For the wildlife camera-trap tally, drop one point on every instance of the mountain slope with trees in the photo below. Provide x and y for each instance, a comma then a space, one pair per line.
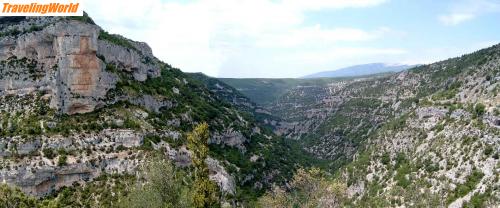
84, 111
426, 137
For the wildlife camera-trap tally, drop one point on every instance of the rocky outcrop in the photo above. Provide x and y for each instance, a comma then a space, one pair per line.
42, 181
182, 158
64, 55
40, 177
230, 137
151, 103
80, 79
39, 174
219, 175
132, 60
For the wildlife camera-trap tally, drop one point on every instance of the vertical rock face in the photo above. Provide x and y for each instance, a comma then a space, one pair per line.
64, 55
134, 60
80, 76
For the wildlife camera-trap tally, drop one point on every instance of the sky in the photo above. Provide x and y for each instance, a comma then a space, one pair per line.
293, 38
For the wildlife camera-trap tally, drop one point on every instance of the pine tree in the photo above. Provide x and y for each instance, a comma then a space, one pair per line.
205, 193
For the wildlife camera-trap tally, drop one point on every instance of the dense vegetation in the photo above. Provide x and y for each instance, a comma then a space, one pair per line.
308, 188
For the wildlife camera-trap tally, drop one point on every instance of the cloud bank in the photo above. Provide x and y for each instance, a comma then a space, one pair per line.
224, 37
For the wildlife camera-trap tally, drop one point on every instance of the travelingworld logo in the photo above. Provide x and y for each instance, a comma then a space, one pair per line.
41, 8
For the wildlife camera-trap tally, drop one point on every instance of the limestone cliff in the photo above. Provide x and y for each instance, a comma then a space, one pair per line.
64, 53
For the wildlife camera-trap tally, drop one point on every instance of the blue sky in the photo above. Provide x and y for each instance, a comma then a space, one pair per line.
292, 38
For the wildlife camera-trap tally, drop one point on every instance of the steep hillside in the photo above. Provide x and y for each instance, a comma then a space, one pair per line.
79, 105
444, 149
278, 155
230, 94
361, 70
426, 137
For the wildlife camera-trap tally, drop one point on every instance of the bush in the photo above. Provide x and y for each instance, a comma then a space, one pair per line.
468, 186
62, 160
131, 124
120, 148
386, 159
163, 187
12, 197
430, 166
116, 39
149, 140
12, 32
479, 109
49, 153
309, 188
488, 150
34, 28
477, 200
85, 18
438, 128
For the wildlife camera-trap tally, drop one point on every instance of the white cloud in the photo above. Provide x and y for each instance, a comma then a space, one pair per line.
207, 35
455, 19
465, 10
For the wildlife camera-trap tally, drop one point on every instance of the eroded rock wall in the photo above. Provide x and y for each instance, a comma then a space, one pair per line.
65, 55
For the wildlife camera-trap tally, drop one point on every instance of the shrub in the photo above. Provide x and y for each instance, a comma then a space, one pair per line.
131, 124
479, 109
34, 28
116, 39
439, 127
62, 160
11, 197
49, 153
85, 18
163, 188
309, 188
469, 185
385, 159
430, 166
120, 148
488, 150
149, 140
12, 32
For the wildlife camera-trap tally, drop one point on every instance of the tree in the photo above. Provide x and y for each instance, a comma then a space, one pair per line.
205, 193
10, 197
276, 198
309, 188
162, 186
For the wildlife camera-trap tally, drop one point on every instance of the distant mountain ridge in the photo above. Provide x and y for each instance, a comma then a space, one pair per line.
360, 70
